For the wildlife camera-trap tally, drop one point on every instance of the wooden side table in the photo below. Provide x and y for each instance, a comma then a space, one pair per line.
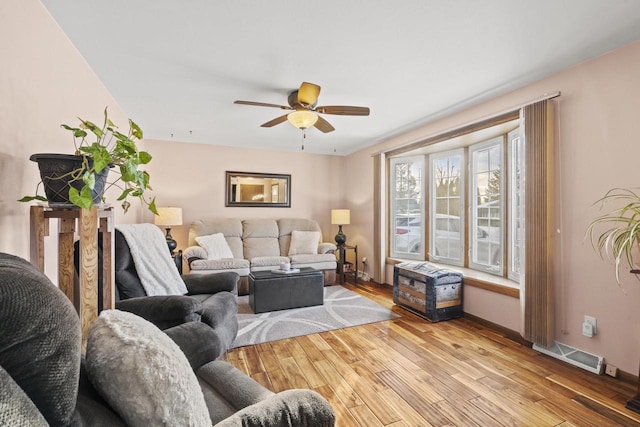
83, 293
342, 252
177, 258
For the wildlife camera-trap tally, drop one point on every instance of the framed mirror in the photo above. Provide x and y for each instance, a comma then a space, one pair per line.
252, 189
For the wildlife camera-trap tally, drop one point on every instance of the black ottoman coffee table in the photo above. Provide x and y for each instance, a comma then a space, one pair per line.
273, 291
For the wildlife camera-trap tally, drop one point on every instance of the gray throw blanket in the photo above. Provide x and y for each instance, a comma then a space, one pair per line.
156, 269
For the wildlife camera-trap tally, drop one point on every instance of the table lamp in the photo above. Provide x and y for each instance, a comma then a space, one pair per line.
167, 217
340, 217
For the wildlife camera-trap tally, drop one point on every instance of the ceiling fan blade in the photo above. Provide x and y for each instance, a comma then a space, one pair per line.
343, 110
323, 125
263, 104
308, 94
275, 121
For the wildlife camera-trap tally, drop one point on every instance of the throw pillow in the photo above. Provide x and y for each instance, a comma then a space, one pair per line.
142, 373
304, 242
215, 245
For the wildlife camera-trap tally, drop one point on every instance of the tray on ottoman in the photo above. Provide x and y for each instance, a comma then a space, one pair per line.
271, 291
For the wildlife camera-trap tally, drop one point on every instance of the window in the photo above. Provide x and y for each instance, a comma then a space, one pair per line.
486, 218
447, 207
472, 199
407, 208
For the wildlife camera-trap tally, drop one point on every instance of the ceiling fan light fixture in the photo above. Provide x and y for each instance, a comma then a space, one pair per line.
302, 119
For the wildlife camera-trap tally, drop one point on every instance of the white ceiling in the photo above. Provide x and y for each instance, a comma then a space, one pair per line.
176, 67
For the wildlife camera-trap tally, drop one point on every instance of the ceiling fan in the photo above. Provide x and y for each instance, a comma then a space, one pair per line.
304, 112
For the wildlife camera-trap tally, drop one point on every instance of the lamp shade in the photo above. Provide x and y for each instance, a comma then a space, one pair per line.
340, 216
302, 119
168, 216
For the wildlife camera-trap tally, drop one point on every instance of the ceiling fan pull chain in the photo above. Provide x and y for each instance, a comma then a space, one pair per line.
304, 136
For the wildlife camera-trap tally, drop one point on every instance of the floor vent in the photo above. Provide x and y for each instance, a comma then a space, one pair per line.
574, 356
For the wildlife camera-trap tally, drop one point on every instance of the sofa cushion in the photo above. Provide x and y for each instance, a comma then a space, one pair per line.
268, 261
231, 229
304, 242
288, 225
312, 258
220, 264
317, 261
260, 238
142, 373
215, 245
260, 228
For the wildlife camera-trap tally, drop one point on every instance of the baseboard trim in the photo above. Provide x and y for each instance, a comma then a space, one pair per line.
509, 333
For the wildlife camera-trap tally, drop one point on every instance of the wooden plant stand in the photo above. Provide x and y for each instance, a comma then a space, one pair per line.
84, 292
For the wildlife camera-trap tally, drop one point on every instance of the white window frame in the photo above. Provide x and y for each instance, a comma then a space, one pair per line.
394, 253
473, 204
433, 203
515, 143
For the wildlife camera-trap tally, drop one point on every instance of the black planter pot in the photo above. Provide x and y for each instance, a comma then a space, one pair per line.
56, 177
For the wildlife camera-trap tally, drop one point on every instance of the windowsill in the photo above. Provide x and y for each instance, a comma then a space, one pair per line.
478, 279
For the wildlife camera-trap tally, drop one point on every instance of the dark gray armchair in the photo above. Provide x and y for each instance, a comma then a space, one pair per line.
211, 298
44, 379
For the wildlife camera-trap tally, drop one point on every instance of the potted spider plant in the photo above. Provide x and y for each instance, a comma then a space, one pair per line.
81, 178
620, 238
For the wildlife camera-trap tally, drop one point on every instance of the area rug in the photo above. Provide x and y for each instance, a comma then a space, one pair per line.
342, 308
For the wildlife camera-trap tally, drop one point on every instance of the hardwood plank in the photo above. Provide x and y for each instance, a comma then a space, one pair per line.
310, 373
496, 412
363, 369
309, 346
590, 395
339, 385
263, 379
267, 357
447, 363
608, 412
367, 393
294, 374
254, 362
409, 414
342, 349
364, 417
416, 398
295, 349
575, 413
280, 349
463, 414
411, 372
343, 416
514, 409
279, 380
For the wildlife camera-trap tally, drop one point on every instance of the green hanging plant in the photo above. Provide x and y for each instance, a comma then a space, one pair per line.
101, 148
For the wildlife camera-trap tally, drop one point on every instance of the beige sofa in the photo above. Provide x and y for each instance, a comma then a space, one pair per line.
257, 244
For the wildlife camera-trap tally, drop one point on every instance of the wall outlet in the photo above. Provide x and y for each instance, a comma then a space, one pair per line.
587, 329
364, 259
591, 321
611, 370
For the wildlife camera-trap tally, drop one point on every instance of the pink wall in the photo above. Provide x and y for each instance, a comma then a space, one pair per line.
192, 176
43, 82
598, 149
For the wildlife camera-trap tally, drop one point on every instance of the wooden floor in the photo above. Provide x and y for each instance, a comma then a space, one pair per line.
410, 372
